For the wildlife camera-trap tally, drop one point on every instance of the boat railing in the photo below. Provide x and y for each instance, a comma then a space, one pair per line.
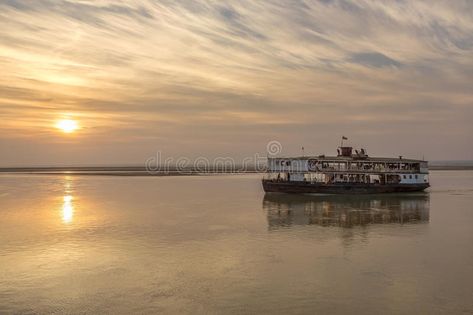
372, 170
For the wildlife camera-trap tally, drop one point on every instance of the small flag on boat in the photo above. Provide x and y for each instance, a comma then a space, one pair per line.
344, 138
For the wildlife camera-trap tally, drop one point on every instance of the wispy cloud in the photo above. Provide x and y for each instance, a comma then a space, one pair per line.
223, 71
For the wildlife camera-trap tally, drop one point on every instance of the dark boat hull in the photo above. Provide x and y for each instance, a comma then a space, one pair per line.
339, 188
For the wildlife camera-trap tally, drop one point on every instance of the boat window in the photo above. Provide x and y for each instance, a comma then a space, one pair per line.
404, 176
417, 176
410, 176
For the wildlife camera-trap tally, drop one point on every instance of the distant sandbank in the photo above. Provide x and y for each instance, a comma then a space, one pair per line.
142, 171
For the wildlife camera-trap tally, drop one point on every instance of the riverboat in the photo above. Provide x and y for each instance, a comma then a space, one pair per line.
349, 172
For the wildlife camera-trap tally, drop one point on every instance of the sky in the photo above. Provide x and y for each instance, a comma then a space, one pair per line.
224, 78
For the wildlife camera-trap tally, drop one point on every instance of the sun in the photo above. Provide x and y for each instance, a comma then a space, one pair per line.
67, 125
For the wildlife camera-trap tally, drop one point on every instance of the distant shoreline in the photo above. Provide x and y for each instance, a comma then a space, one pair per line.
450, 168
130, 174
141, 171
121, 171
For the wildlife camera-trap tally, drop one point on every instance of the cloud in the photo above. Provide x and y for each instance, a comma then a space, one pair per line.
203, 68
373, 59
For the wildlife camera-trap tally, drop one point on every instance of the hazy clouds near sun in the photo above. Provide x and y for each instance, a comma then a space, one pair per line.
225, 77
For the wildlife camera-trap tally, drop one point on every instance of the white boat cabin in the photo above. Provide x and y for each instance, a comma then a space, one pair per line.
348, 168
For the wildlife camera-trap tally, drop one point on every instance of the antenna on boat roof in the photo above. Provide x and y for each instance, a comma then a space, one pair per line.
302, 151
343, 138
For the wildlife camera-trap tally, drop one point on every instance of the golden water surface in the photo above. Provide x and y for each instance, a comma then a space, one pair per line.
217, 244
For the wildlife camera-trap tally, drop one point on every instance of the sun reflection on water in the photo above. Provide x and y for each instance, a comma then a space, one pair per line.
67, 209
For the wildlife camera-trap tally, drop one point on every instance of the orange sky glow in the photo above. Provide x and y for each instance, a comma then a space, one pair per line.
223, 78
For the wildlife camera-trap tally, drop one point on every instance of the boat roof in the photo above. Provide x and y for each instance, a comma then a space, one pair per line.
349, 158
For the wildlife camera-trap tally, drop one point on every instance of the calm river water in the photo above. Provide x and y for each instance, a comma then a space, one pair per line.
217, 244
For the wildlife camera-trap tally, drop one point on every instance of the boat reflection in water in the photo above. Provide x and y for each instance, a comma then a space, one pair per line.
284, 210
